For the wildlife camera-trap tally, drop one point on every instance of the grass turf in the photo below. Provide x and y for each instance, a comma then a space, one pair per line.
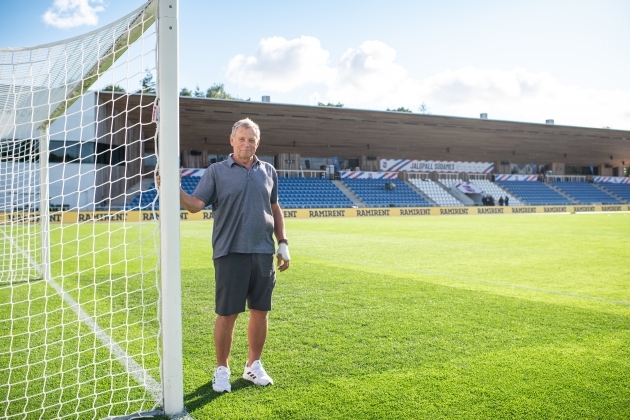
377, 318
467, 317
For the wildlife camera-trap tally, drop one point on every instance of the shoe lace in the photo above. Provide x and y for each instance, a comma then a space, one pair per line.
259, 370
222, 375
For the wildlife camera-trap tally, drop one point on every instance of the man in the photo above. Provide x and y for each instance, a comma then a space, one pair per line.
243, 192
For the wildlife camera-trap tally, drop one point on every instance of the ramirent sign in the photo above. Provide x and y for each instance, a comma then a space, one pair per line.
148, 216
397, 165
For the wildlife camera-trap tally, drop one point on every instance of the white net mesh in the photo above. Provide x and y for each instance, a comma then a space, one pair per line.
79, 295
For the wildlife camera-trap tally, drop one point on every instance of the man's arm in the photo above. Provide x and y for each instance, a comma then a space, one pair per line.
187, 201
190, 202
278, 230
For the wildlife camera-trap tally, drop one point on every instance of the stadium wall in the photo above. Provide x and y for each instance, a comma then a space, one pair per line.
147, 216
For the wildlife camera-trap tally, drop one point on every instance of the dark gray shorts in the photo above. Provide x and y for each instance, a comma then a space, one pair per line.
243, 277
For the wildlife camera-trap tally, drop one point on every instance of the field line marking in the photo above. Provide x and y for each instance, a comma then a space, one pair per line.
132, 367
472, 279
24, 253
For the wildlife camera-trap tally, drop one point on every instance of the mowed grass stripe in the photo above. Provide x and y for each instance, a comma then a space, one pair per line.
362, 341
469, 279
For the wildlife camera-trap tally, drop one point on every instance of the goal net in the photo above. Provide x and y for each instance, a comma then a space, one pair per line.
79, 237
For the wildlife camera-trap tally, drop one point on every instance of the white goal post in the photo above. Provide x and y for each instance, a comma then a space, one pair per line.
90, 282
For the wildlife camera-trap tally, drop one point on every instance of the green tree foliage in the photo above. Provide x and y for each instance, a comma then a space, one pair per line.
198, 93
400, 109
337, 105
148, 84
215, 91
185, 92
113, 88
218, 91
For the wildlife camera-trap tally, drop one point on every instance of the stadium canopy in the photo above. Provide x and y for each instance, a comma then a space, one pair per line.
205, 125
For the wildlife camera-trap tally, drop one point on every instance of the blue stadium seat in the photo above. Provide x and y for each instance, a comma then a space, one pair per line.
586, 193
296, 193
620, 190
373, 193
535, 193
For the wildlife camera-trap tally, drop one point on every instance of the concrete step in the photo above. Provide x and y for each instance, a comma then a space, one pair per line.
349, 193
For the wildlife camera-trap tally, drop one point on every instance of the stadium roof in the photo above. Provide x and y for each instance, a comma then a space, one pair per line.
205, 124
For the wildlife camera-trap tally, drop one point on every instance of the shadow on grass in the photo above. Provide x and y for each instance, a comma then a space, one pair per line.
204, 395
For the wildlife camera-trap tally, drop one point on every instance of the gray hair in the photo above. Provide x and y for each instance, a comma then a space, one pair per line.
247, 123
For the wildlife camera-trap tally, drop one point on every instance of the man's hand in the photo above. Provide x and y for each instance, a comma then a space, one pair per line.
158, 179
283, 256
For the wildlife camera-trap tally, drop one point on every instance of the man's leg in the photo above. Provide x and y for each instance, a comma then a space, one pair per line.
223, 334
256, 334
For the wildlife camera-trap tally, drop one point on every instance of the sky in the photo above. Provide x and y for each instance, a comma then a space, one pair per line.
525, 61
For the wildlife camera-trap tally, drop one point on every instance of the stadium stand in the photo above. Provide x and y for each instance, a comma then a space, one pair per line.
144, 200
436, 193
323, 193
585, 193
534, 193
373, 193
293, 193
448, 182
496, 192
620, 190
310, 193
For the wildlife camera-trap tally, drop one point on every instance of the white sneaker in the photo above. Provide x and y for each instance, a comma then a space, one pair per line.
256, 374
221, 380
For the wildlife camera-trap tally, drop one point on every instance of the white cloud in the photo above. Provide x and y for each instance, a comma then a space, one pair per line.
281, 65
520, 95
67, 14
369, 77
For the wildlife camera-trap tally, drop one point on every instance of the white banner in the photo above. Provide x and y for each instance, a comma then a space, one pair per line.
468, 188
506, 177
612, 179
398, 165
367, 175
192, 172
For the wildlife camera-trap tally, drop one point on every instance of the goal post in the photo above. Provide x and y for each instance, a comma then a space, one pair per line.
90, 282
168, 76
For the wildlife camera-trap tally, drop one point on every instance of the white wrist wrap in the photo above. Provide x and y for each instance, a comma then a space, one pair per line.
283, 250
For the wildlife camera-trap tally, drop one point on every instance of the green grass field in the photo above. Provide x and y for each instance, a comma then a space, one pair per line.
464, 317
468, 317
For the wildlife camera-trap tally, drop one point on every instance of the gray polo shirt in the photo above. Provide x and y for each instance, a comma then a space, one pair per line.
241, 201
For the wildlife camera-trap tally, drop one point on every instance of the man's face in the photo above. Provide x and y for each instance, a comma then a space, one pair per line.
244, 142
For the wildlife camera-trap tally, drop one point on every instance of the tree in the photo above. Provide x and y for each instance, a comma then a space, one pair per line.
337, 105
185, 92
198, 93
218, 91
113, 88
400, 109
148, 85
424, 109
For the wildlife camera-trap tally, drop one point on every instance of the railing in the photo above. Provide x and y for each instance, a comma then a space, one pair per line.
566, 178
306, 173
418, 175
449, 176
477, 177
